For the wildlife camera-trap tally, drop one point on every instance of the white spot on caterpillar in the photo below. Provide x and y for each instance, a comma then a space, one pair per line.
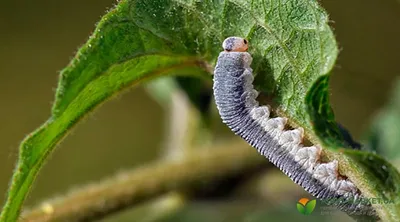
307, 157
345, 187
260, 112
249, 98
248, 79
326, 172
274, 125
294, 137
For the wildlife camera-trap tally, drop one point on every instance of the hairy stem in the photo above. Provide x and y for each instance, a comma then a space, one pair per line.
134, 187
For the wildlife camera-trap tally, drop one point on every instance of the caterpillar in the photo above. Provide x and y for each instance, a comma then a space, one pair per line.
236, 102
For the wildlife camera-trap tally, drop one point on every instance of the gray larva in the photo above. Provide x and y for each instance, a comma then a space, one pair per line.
235, 97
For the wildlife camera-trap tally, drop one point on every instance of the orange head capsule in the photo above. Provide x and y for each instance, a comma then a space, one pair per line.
235, 44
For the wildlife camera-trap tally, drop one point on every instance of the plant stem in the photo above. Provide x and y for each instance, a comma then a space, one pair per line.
133, 187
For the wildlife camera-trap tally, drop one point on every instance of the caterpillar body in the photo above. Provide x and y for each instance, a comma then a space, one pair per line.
235, 98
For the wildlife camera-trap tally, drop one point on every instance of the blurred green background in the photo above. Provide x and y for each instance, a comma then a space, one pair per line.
38, 38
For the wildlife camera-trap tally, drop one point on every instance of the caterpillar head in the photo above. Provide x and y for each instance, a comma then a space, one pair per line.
235, 44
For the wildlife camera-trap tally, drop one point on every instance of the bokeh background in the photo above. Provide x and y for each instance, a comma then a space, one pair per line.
38, 38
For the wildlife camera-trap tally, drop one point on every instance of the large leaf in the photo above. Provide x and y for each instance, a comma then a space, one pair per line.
291, 43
